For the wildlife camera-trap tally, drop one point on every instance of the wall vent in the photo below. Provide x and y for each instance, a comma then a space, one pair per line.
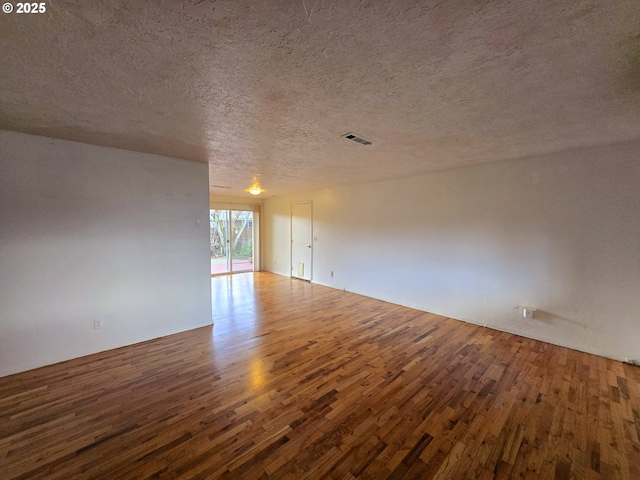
219, 186
356, 138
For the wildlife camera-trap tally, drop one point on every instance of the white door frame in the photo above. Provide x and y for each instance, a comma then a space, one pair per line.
237, 208
310, 203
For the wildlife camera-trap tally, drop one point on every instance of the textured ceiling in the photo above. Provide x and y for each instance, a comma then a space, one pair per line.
269, 87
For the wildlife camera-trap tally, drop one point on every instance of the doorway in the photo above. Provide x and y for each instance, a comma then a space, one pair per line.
231, 238
301, 241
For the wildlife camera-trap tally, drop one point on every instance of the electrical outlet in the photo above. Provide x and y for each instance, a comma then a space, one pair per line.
97, 324
331, 273
527, 311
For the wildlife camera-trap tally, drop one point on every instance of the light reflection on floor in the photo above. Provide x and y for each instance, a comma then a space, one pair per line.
233, 303
236, 322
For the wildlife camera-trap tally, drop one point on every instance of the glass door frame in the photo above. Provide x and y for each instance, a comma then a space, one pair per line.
230, 237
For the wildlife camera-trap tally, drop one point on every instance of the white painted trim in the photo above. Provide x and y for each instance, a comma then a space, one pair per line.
310, 203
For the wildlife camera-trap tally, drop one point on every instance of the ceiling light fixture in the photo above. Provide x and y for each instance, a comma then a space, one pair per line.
255, 188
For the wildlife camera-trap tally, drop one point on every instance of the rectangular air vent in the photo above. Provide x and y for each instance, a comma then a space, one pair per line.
219, 186
356, 138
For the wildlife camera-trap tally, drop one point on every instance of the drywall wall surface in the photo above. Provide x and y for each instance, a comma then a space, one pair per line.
230, 201
93, 233
559, 232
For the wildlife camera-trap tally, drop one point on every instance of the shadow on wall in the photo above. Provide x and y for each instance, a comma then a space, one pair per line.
551, 319
569, 331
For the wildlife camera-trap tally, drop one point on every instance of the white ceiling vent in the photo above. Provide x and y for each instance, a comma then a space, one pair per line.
356, 138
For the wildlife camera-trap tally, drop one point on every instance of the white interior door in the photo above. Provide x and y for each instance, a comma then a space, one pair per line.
301, 240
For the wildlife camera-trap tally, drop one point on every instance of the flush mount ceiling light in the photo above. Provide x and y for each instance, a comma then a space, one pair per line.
255, 188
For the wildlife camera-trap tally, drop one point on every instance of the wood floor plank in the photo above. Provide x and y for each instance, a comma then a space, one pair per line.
297, 380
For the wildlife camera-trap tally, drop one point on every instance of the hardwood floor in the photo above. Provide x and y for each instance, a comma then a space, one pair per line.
301, 381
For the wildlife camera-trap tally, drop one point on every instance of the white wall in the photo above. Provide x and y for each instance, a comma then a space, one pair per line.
230, 201
560, 232
90, 233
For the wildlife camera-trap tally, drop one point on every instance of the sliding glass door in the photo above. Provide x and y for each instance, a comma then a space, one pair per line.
241, 241
231, 241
